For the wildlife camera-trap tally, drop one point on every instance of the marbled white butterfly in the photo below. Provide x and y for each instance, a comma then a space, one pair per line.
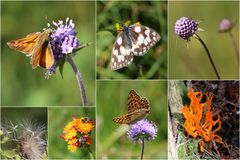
133, 40
138, 108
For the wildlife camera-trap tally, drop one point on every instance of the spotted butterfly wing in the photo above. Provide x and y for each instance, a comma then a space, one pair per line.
138, 108
134, 40
135, 102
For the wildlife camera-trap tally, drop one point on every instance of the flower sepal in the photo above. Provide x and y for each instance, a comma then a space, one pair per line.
142, 136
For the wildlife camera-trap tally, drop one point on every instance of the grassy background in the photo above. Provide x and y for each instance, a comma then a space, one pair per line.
21, 85
58, 119
112, 140
148, 13
193, 63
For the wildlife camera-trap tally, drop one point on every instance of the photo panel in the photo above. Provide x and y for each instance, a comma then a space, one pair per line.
72, 132
203, 119
24, 133
203, 40
132, 115
57, 52
131, 39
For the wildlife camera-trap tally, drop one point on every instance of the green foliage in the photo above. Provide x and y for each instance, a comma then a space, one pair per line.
187, 148
153, 14
112, 101
23, 86
58, 119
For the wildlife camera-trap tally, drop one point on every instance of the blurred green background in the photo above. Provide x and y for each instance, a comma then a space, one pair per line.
192, 62
19, 114
58, 119
112, 139
21, 85
153, 14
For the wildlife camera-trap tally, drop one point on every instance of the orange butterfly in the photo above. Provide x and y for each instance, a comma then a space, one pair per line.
138, 108
37, 47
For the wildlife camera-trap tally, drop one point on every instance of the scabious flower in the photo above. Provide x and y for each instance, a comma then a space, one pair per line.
186, 27
77, 133
225, 25
142, 129
63, 40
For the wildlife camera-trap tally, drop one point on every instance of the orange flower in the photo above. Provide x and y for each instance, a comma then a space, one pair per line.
72, 132
69, 134
69, 126
72, 141
83, 127
72, 148
196, 124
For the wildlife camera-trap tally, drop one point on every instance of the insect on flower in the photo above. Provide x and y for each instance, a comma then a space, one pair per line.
132, 40
138, 108
37, 46
77, 133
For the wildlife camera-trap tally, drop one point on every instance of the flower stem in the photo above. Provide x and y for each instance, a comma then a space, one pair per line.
209, 56
79, 79
235, 45
90, 153
142, 152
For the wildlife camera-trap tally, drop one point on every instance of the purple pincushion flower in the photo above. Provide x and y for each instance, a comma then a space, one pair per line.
63, 40
185, 27
142, 129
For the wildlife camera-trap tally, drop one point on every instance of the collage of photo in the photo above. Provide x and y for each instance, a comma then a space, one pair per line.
120, 80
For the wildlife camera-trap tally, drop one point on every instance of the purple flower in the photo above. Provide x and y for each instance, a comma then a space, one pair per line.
142, 129
185, 27
63, 40
225, 25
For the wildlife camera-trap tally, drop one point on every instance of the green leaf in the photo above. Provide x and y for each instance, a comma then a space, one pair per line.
61, 65
1, 132
8, 153
4, 139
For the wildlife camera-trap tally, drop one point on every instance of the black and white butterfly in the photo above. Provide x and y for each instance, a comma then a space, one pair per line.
133, 40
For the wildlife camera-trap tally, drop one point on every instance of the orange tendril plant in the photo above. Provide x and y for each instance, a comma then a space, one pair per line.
199, 119
77, 133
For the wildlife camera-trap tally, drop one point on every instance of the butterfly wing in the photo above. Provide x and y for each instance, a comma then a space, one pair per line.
131, 117
43, 57
135, 102
37, 46
25, 45
143, 38
121, 53
123, 119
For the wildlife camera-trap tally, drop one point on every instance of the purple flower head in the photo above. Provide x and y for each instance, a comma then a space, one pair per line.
63, 41
225, 25
185, 27
142, 129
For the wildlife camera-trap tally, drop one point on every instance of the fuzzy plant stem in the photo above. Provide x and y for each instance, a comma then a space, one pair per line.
142, 152
79, 79
209, 56
235, 45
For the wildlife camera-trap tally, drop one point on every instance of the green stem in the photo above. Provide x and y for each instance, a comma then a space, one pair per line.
209, 56
79, 79
90, 153
142, 152
235, 45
